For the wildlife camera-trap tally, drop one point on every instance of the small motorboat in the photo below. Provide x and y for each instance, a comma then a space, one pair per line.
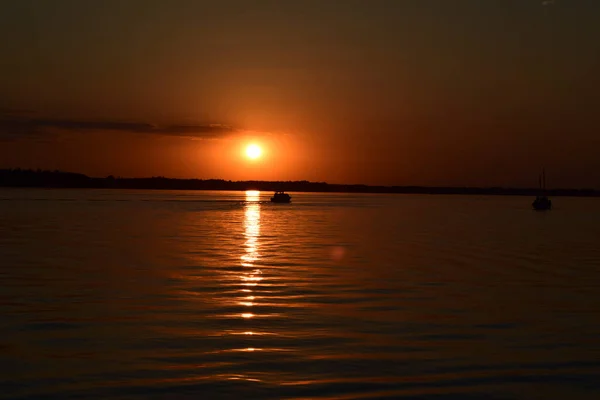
281, 197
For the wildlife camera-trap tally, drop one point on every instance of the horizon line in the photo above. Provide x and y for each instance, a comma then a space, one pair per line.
322, 184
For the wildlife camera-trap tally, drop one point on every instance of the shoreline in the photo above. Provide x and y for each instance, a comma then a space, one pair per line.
64, 180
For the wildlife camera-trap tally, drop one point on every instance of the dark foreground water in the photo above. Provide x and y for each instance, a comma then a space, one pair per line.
148, 294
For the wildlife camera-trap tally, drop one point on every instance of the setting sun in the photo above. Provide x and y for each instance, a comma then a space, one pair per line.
253, 151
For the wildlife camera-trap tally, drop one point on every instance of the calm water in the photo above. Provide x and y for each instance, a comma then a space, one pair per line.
150, 294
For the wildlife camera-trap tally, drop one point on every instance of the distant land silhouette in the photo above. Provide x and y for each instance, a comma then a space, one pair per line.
58, 179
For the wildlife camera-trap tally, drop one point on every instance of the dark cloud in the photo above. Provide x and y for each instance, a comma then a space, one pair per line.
15, 125
15, 111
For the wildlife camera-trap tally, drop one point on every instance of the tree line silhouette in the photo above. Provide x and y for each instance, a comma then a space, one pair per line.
59, 179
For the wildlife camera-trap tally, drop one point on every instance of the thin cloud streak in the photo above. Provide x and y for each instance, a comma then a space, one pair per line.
15, 126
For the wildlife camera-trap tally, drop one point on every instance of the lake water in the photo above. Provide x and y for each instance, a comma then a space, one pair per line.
158, 294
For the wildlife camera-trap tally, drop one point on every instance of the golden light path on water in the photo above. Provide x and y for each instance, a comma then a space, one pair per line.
251, 275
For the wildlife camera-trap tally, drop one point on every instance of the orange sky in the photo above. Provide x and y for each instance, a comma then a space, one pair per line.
424, 92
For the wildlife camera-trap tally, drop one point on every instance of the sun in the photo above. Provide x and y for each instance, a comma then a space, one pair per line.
253, 151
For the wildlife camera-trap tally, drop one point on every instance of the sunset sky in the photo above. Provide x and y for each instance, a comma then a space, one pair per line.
399, 92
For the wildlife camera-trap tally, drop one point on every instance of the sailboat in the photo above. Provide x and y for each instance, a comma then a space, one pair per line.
541, 202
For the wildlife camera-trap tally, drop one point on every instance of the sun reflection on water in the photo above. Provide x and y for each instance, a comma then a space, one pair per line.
252, 277
251, 228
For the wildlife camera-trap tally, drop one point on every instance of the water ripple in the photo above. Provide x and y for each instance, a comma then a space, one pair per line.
131, 295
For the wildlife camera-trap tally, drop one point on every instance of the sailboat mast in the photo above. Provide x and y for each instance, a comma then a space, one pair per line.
544, 179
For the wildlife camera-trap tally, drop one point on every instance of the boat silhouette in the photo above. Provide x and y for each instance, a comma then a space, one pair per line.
281, 197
